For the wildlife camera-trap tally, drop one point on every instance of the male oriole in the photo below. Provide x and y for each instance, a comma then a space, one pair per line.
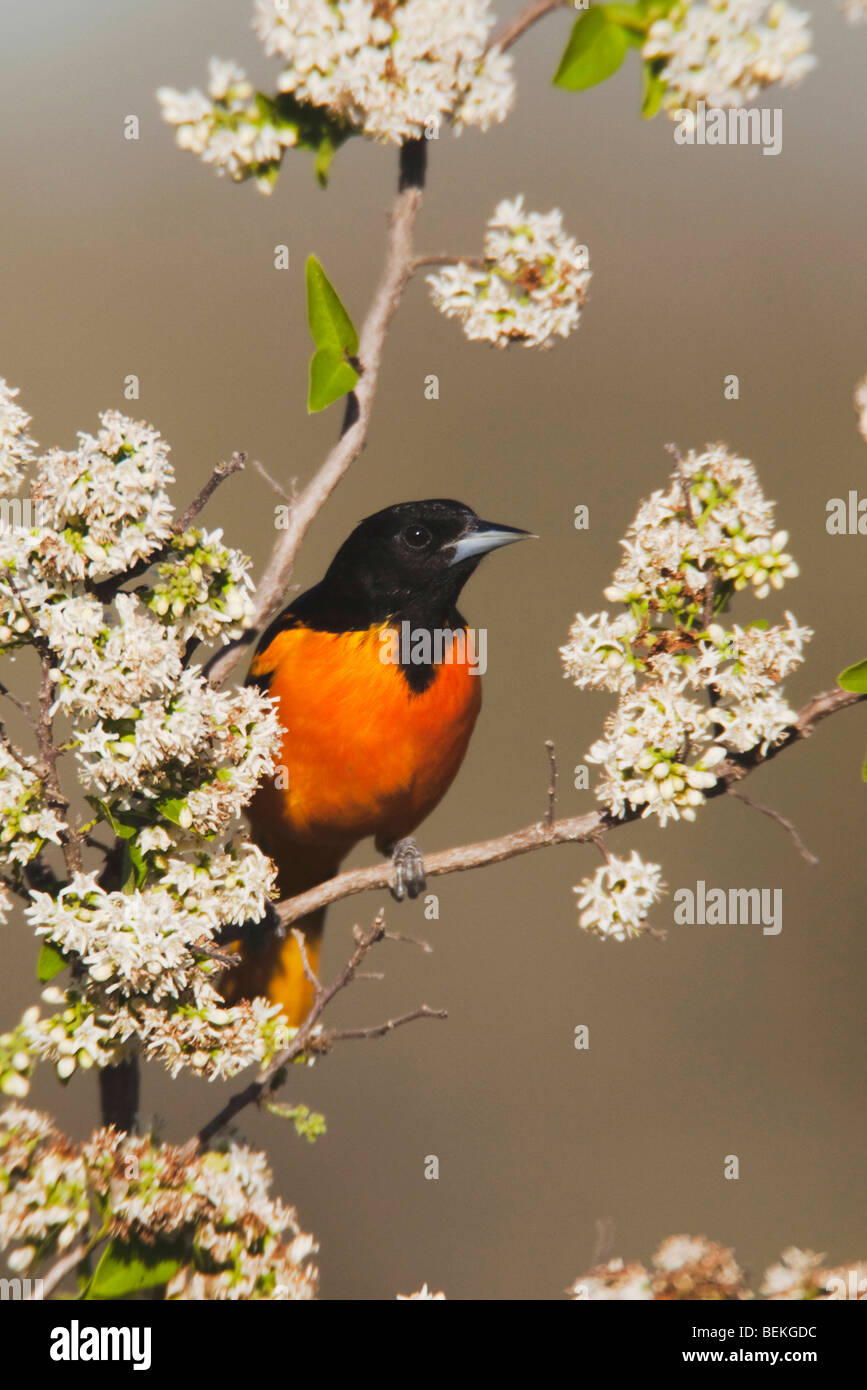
375, 728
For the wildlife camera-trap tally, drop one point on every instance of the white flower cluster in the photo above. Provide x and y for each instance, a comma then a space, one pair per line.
726, 52
232, 1239
203, 589
684, 1267
614, 903
531, 287
693, 1268
105, 506
143, 969
391, 68
802, 1274
44, 1202
168, 761
230, 128
197, 753
691, 548
26, 822
16, 446
423, 1294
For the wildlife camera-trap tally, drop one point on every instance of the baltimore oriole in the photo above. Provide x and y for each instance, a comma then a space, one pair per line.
377, 708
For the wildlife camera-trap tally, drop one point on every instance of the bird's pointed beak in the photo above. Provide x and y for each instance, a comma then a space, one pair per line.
485, 536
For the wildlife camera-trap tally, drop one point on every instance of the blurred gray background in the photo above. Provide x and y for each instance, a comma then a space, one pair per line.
122, 257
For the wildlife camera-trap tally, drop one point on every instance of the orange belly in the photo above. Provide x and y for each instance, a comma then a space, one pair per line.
362, 754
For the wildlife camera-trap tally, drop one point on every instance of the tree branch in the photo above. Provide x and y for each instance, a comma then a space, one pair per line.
581, 829
359, 404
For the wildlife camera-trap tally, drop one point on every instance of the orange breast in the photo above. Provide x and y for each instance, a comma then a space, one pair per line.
362, 755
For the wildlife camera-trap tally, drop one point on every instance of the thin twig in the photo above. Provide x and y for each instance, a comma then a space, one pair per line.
23, 706
309, 974
522, 22
552, 783
781, 820
600, 844
224, 469
379, 1030
359, 404
288, 497
410, 940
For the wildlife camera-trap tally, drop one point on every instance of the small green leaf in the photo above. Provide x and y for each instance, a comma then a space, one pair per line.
49, 963
331, 377
171, 808
309, 1124
854, 678
330, 325
123, 1269
596, 49
122, 831
324, 155
653, 90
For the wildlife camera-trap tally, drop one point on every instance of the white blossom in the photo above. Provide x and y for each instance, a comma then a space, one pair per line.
614, 903
228, 128
691, 549
26, 821
105, 506
531, 287
726, 52
393, 71
16, 447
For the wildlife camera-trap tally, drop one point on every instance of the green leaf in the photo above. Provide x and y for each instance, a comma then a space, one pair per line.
171, 807
331, 377
123, 1269
653, 90
330, 325
121, 830
596, 48
49, 964
324, 155
309, 1124
854, 678
332, 373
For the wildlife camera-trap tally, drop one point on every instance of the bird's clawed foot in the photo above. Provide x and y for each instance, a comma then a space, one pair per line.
409, 879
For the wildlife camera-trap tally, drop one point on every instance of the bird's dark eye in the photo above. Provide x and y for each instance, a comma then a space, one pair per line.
416, 536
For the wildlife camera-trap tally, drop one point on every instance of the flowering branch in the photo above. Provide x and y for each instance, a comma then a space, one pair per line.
582, 829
